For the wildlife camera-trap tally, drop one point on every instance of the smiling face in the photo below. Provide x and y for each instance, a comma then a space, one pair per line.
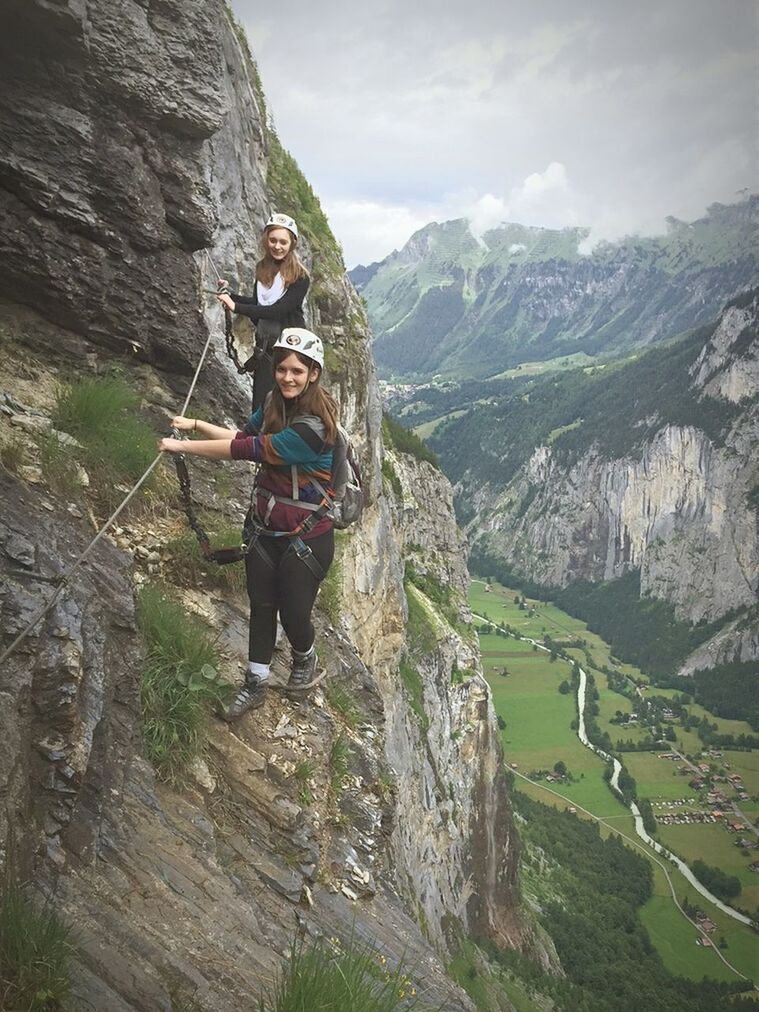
292, 376
279, 242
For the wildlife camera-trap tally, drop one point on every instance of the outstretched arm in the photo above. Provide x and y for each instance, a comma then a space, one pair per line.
216, 445
296, 444
215, 449
201, 428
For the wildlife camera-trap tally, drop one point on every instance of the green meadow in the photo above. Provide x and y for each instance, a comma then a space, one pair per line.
714, 845
425, 430
538, 732
538, 718
657, 779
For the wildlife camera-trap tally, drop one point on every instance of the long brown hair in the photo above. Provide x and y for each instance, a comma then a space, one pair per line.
290, 268
313, 401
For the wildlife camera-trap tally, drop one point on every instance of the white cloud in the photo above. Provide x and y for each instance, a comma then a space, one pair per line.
606, 116
544, 198
487, 212
369, 230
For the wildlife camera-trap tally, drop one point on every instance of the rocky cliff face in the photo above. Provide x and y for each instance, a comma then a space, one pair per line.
450, 849
449, 304
134, 141
682, 508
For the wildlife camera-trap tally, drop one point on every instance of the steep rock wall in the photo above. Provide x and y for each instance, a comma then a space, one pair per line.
455, 847
157, 152
680, 509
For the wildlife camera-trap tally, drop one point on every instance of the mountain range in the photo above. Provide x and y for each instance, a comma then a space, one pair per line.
455, 306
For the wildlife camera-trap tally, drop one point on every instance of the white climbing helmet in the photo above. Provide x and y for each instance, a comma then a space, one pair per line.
282, 221
303, 341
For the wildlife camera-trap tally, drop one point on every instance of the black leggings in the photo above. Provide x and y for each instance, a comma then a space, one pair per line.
263, 381
267, 332
288, 587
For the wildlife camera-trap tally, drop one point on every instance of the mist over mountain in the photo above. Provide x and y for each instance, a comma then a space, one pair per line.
457, 306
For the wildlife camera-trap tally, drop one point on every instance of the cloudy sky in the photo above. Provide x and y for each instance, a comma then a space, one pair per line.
597, 112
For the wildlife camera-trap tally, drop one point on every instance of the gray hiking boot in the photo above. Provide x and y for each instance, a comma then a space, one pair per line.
303, 670
249, 696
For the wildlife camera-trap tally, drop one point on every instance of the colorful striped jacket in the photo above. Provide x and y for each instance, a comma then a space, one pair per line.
300, 445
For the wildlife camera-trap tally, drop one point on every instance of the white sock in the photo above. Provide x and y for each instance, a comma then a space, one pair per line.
259, 671
304, 654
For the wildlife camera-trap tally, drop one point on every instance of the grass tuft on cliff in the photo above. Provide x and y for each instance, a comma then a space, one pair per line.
412, 683
117, 445
12, 454
178, 682
289, 189
292, 194
339, 761
331, 590
330, 977
34, 954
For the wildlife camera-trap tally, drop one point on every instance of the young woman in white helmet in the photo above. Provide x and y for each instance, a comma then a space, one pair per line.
288, 531
281, 285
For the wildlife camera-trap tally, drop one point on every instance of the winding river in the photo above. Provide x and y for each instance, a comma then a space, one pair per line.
614, 784
654, 844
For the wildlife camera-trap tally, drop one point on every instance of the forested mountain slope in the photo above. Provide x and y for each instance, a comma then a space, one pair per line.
647, 465
448, 304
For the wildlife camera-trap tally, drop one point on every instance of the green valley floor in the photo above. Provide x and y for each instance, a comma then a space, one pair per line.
537, 711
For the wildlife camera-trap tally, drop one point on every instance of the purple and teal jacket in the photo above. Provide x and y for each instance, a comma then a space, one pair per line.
298, 452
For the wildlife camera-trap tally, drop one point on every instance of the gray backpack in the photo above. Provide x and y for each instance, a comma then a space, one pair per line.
345, 495
347, 491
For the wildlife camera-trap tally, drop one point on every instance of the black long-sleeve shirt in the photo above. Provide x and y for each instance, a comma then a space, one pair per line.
288, 310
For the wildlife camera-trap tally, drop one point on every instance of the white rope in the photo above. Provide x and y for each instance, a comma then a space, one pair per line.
213, 266
78, 561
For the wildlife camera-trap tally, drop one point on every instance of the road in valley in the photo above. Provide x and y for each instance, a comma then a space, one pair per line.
614, 784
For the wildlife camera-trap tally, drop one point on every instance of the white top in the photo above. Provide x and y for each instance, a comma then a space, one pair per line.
266, 296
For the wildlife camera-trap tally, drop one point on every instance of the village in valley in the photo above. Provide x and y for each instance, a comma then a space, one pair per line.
694, 774
711, 780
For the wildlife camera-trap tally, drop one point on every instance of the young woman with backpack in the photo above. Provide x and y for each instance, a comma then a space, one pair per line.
281, 285
288, 531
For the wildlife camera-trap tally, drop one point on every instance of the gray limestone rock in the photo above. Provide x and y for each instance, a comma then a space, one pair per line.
680, 508
155, 153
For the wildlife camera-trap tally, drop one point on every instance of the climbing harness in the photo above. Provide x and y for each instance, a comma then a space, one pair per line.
221, 556
255, 533
260, 356
229, 337
253, 530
